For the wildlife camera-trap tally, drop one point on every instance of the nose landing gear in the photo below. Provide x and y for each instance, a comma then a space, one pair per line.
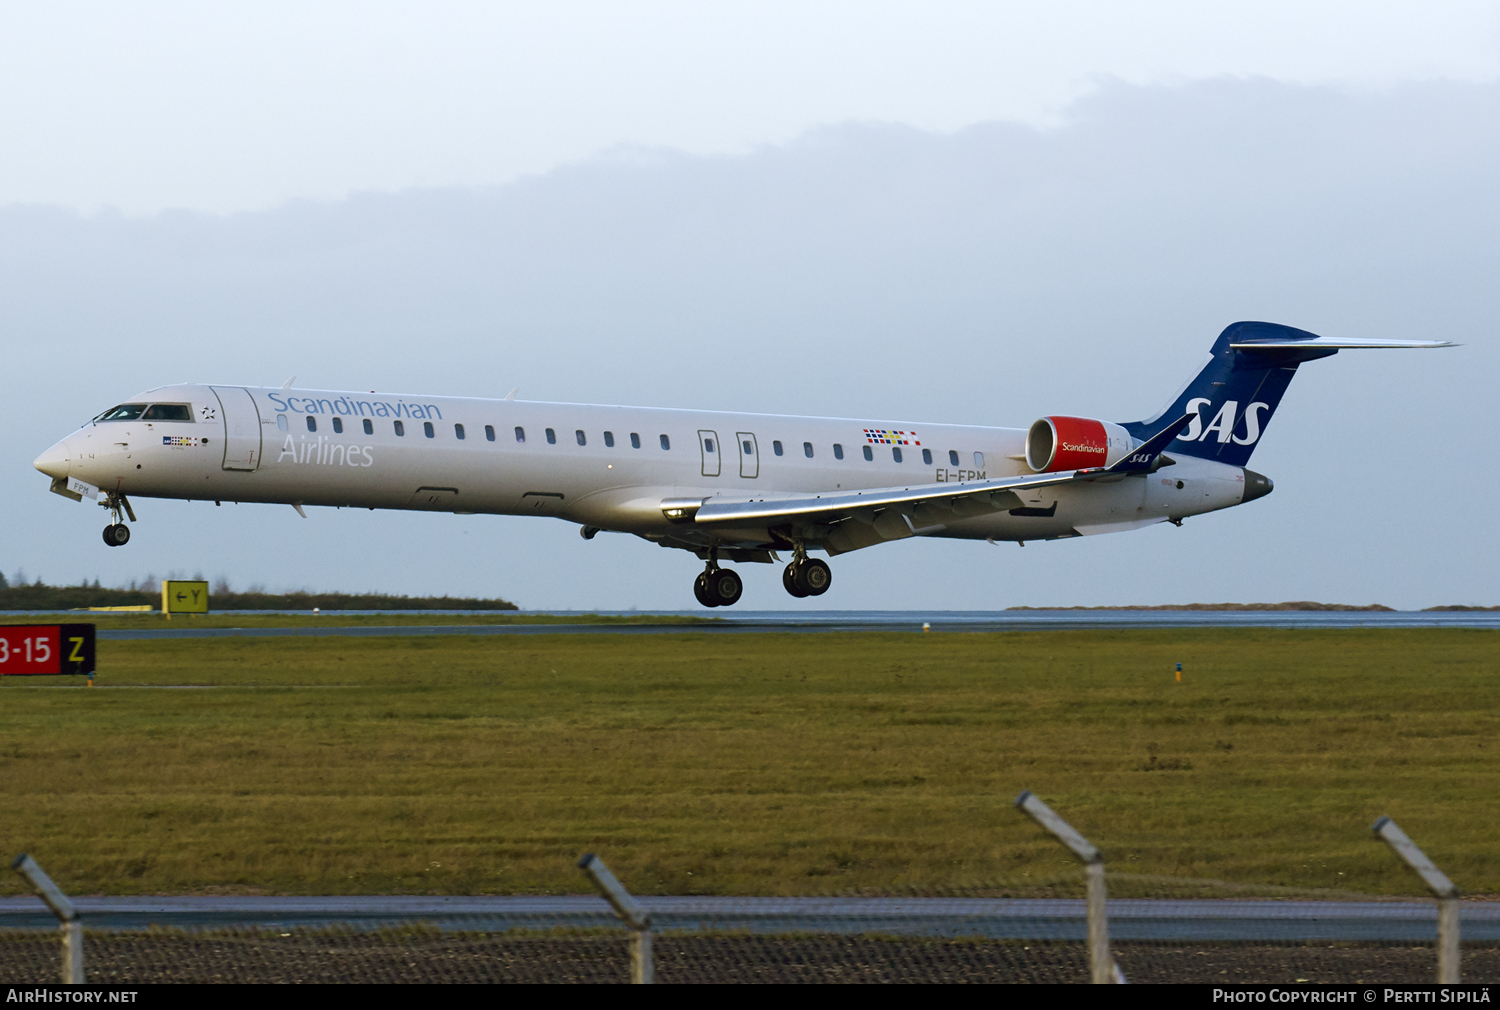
117, 534
717, 587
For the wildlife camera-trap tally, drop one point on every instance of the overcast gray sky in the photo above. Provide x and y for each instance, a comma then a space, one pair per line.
235, 106
966, 213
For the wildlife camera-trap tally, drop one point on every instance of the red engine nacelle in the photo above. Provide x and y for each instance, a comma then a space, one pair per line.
1075, 443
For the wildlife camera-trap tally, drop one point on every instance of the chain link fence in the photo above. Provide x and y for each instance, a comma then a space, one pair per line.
1236, 935
1089, 926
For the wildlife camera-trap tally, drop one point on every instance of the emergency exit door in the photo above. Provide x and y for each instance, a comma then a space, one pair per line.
749, 453
711, 451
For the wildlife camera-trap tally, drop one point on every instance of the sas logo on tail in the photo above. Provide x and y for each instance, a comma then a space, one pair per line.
1224, 421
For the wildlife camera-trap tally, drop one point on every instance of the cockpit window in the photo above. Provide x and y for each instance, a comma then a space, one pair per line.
167, 412
124, 412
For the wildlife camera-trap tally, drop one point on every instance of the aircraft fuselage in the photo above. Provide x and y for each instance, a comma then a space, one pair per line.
603, 467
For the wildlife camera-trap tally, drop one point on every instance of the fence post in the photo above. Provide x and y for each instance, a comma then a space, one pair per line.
642, 962
1102, 967
67, 916
1447, 895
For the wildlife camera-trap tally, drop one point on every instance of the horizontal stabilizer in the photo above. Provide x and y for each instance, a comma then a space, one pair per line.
1337, 344
1235, 394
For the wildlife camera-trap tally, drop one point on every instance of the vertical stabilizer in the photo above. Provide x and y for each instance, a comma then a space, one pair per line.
1233, 397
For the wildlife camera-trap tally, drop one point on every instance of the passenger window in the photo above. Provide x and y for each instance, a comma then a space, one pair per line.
749, 449
281, 421
520, 433
580, 436
708, 445
807, 449
312, 423
979, 461
896, 453
635, 440
551, 437
338, 425
953, 457
489, 433
167, 412
458, 432
399, 426
369, 426
776, 447
869, 454
609, 440
838, 451
927, 456
666, 443
427, 429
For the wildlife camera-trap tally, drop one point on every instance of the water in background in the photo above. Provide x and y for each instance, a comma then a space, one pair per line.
970, 620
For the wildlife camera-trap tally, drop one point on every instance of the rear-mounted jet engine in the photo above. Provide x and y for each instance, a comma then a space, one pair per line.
1075, 443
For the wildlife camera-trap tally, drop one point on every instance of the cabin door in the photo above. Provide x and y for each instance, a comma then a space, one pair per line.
241, 427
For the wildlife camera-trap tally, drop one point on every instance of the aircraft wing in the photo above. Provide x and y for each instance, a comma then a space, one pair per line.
986, 495
928, 503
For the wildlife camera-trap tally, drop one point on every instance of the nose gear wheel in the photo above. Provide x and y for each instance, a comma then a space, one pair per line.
117, 534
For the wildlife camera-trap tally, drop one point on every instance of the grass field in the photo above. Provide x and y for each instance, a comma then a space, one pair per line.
753, 764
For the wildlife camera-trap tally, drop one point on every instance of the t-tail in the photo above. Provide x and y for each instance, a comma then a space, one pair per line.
1232, 399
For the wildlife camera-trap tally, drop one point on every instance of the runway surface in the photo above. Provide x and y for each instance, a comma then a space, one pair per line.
996, 918
743, 622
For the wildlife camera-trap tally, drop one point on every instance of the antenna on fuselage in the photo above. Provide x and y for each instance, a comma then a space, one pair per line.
288, 383
512, 394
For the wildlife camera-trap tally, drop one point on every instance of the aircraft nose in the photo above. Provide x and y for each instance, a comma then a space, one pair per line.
1257, 485
55, 461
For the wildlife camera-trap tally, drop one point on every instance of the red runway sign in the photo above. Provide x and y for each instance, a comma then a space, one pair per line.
42, 649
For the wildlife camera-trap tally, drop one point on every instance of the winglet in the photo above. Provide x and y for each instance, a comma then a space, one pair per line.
288, 383
1144, 457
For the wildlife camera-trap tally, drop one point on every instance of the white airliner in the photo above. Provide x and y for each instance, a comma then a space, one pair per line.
737, 487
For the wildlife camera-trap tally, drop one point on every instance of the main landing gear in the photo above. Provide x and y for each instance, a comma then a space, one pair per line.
718, 587
807, 576
117, 534
721, 587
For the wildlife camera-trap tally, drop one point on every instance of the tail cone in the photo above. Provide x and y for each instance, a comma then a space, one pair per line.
1257, 485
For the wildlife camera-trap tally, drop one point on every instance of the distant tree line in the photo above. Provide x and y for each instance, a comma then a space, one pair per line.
38, 596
